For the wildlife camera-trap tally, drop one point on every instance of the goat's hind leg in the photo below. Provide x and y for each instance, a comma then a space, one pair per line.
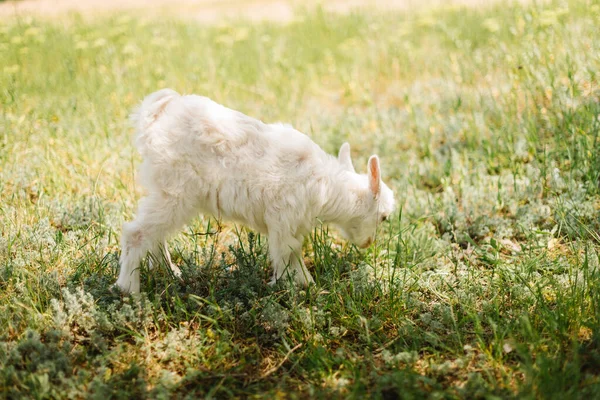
158, 215
133, 249
161, 253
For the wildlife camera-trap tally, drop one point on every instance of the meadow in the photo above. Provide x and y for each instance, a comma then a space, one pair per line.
484, 284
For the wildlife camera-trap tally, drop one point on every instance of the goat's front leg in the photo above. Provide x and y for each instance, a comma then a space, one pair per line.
286, 258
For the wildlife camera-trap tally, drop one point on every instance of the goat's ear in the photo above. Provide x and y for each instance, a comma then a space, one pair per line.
374, 175
344, 157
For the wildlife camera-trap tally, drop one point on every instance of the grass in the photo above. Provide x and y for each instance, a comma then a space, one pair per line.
485, 284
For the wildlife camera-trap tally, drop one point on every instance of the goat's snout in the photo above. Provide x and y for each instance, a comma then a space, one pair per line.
367, 243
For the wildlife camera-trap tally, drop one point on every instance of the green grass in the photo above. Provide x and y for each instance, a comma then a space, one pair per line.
485, 284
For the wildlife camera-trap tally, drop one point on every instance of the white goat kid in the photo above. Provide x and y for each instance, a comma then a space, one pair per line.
199, 156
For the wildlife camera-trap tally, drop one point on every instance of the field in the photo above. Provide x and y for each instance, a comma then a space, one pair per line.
485, 284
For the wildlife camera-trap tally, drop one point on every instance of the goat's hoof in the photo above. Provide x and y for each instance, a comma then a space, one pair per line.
124, 289
116, 288
176, 271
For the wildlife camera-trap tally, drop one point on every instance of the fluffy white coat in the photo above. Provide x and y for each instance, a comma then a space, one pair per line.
199, 156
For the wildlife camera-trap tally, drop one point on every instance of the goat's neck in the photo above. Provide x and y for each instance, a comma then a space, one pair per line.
341, 195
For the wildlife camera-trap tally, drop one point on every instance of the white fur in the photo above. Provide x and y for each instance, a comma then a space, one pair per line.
199, 156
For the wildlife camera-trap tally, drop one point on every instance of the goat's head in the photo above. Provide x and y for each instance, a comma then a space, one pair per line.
375, 201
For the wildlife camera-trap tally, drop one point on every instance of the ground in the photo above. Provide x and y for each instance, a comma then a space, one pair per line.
485, 283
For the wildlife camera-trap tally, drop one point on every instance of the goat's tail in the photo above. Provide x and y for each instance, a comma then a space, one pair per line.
148, 112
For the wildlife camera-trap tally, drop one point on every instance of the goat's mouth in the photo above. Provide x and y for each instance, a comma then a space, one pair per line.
366, 244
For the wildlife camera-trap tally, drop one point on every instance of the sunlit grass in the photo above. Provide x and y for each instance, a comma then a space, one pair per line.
485, 283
